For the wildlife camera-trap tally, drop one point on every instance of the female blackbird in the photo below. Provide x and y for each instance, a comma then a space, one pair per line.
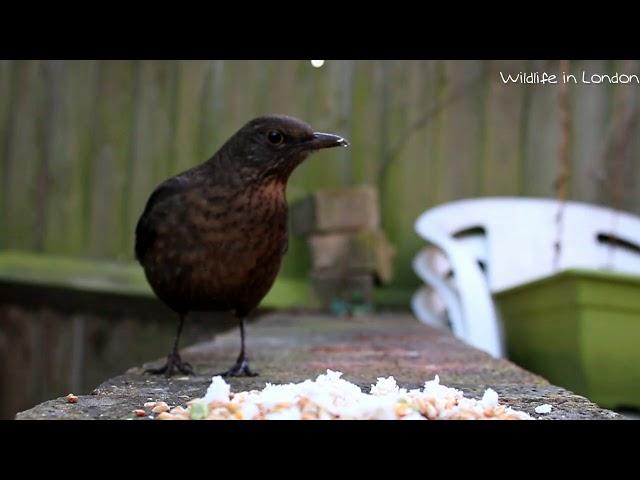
212, 238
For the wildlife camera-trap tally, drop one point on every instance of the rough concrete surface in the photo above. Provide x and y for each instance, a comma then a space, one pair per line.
292, 347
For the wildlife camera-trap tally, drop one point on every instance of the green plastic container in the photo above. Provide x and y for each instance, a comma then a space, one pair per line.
579, 329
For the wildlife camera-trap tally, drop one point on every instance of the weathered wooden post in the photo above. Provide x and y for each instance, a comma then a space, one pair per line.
350, 253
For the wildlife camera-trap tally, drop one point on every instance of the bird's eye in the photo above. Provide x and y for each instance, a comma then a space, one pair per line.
275, 137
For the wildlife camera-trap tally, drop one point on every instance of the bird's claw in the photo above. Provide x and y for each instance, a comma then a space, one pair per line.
173, 362
240, 369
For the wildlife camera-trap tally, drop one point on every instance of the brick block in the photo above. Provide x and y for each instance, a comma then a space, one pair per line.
365, 251
341, 210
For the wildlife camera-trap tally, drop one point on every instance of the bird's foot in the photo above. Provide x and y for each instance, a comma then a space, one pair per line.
240, 369
173, 362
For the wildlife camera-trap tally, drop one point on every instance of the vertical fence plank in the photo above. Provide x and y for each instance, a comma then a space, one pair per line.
79, 105
590, 120
614, 113
344, 110
401, 113
6, 100
361, 136
155, 153
462, 130
504, 110
634, 150
431, 133
619, 154
412, 164
235, 78
23, 155
111, 163
57, 217
144, 143
210, 103
543, 136
83, 84
439, 131
191, 85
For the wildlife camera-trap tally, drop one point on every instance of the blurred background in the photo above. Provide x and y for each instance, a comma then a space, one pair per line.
83, 143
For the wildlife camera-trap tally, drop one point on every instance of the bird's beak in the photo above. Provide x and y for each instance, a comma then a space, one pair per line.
326, 140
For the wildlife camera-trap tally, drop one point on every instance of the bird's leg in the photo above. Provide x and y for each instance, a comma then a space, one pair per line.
241, 367
173, 359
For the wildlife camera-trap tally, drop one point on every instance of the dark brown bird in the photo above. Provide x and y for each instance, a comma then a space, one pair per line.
212, 238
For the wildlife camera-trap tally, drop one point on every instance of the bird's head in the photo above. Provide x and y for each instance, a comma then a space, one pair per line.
274, 145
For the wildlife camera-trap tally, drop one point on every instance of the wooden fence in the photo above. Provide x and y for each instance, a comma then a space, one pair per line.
83, 143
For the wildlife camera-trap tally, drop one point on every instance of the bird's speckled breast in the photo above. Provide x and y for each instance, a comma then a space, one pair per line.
223, 250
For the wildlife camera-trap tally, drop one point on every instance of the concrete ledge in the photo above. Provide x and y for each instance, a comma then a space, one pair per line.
291, 347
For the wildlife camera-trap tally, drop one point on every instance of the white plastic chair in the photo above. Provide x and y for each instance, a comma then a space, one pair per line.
513, 238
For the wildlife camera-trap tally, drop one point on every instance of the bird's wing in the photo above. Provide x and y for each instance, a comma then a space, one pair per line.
145, 231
